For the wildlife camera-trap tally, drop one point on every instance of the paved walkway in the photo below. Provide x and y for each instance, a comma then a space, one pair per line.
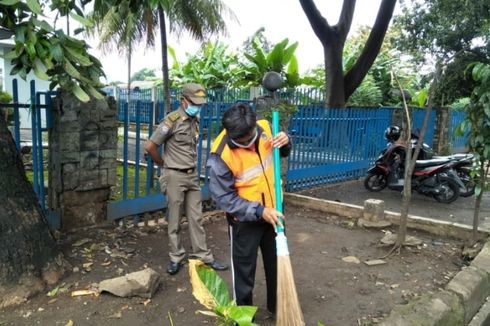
353, 192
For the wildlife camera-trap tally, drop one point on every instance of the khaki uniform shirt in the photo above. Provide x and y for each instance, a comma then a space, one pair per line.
179, 133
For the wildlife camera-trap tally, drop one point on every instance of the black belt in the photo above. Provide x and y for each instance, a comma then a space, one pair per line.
188, 171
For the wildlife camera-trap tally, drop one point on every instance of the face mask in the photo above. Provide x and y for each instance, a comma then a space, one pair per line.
250, 143
193, 110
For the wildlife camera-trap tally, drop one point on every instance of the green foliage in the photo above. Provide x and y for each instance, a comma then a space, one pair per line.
49, 53
376, 88
460, 104
225, 310
259, 37
280, 59
455, 32
265, 106
315, 77
477, 121
367, 94
144, 74
457, 83
213, 67
442, 27
6, 98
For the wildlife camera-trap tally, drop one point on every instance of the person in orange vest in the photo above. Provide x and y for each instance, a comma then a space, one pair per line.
242, 184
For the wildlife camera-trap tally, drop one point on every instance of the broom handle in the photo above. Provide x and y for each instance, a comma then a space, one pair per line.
277, 171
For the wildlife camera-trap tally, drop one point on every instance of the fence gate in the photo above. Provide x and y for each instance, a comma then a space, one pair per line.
30, 133
333, 145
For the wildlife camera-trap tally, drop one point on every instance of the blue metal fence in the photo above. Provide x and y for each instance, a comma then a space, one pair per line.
40, 110
418, 121
329, 145
457, 143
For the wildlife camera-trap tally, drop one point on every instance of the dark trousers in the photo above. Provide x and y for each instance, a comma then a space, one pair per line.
246, 238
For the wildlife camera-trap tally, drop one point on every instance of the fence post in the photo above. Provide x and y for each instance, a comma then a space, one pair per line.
154, 104
441, 133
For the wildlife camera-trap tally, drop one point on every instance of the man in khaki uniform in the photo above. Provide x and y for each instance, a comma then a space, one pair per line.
179, 131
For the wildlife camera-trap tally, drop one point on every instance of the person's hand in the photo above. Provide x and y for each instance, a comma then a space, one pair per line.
280, 140
270, 215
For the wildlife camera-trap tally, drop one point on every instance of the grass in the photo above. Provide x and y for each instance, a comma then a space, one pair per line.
117, 191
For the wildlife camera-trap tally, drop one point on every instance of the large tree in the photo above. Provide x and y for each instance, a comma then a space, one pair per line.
26, 245
340, 86
200, 18
453, 32
122, 27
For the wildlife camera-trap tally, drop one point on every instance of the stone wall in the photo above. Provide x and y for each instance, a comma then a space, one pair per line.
83, 161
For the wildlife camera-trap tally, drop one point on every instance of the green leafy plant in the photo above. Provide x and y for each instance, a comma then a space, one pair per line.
213, 67
6, 98
280, 58
211, 291
477, 125
266, 104
48, 52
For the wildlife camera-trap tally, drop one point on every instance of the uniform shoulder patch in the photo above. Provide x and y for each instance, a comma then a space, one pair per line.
174, 116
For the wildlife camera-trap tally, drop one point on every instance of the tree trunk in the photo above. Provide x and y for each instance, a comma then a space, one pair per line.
476, 213
334, 75
163, 41
340, 88
129, 71
26, 245
411, 158
354, 77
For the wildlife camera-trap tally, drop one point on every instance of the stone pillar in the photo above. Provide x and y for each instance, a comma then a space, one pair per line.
83, 161
373, 214
374, 210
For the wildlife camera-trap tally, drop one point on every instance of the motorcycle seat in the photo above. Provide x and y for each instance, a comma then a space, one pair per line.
456, 157
426, 163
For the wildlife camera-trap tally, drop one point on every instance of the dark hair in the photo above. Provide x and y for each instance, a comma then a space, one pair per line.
239, 120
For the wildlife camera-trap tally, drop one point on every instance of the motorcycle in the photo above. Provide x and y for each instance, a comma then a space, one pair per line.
434, 177
462, 166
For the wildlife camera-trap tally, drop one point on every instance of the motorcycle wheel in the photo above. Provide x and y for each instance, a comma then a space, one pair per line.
375, 182
450, 190
468, 182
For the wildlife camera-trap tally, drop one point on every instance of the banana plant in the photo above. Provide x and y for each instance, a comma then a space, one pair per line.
280, 59
211, 291
213, 67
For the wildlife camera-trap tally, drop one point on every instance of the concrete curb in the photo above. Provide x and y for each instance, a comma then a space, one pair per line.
464, 299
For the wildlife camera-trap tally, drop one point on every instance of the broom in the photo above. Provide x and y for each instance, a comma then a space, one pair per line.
288, 308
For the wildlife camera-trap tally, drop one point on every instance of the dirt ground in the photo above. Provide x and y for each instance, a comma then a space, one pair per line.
330, 290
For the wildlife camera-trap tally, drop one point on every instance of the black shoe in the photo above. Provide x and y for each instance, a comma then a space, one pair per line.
217, 266
173, 268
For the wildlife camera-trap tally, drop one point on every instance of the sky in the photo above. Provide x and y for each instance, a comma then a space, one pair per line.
280, 18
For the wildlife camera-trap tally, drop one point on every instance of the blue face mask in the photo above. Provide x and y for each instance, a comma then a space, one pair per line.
193, 110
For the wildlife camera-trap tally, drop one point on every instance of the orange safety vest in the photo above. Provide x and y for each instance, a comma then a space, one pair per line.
253, 170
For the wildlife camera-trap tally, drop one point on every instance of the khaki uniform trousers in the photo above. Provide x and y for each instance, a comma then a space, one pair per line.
181, 187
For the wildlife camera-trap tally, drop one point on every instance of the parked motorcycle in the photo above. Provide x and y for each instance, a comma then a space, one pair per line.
462, 166
435, 178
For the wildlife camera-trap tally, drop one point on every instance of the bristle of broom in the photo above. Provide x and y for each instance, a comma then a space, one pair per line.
288, 308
